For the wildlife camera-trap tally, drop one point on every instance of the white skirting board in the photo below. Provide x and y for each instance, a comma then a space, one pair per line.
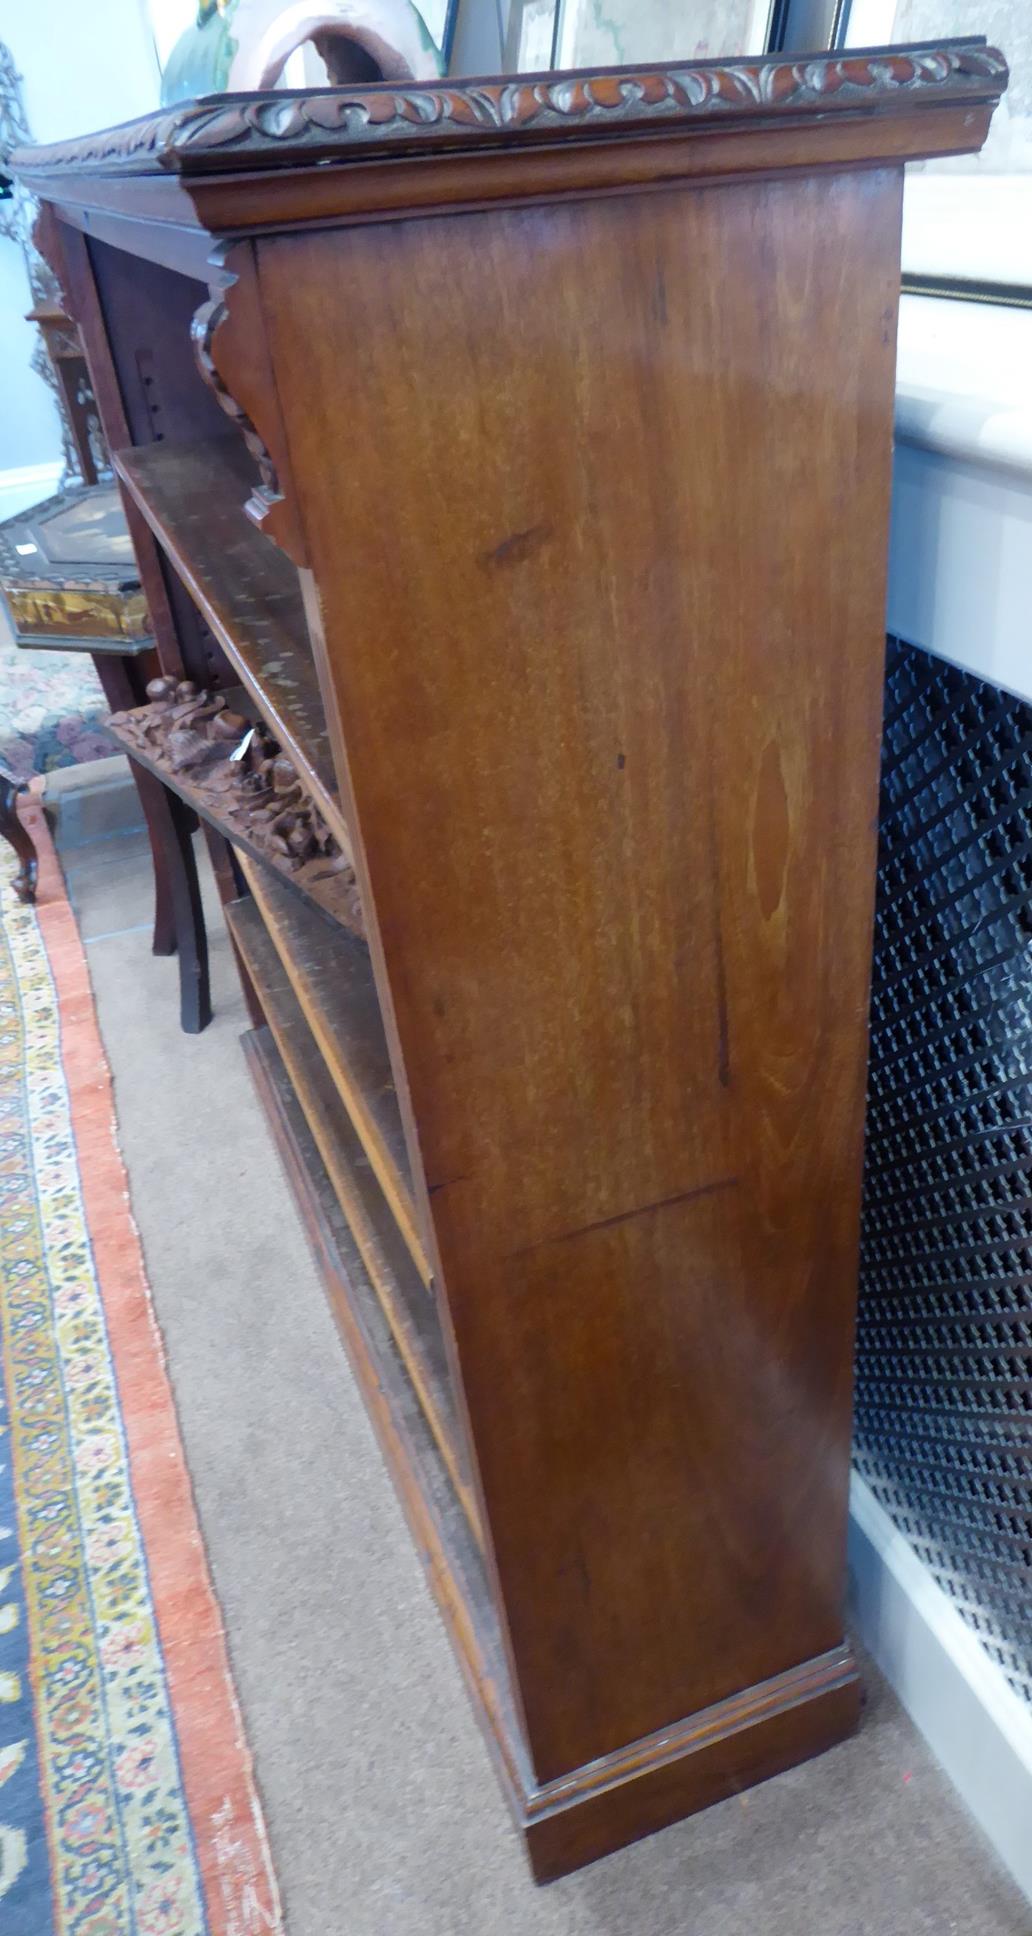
960, 551
978, 1729
29, 485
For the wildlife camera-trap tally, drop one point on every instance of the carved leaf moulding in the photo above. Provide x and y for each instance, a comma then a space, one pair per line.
255, 130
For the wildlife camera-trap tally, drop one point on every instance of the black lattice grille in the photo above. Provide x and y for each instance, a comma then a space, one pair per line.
944, 1352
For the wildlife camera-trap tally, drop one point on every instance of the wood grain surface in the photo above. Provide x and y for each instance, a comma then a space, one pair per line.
603, 607
647, 1784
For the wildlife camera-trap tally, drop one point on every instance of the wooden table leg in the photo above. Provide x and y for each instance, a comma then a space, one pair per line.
18, 837
153, 802
174, 828
178, 911
232, 886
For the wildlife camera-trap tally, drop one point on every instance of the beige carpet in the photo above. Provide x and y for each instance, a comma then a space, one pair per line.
382, 1809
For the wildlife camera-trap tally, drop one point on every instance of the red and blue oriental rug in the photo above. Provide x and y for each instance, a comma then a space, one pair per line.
127, 1803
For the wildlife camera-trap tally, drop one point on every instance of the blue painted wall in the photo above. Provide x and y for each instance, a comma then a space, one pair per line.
83, 66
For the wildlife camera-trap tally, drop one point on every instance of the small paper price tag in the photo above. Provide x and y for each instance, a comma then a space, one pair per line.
239, 751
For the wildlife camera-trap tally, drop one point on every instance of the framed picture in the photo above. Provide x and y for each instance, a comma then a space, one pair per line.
810, 25
967, 222
544, 34
531, 38
613, 33
439, 20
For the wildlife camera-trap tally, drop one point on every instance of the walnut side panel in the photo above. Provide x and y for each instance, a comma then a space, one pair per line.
603, 608
611, 1802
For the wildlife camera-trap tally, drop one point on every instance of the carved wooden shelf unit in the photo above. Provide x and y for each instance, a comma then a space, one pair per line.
549, 541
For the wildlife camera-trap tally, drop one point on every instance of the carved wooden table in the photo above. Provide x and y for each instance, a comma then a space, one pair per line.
534, 488
69, 579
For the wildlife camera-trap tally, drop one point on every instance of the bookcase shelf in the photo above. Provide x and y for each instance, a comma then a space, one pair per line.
445, 1534
191, 495
332, 979
409, 1310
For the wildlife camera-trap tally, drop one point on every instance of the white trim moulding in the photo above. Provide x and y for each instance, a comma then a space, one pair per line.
974, 1723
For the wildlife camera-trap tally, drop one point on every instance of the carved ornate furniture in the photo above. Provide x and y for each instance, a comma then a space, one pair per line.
72, 386
68, 575
69, 579
535, 494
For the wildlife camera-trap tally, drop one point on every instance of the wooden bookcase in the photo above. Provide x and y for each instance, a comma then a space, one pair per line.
519, 451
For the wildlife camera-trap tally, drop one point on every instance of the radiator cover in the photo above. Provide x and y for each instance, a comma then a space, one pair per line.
944, 1349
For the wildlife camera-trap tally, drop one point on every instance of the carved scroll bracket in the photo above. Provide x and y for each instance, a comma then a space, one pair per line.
229, 343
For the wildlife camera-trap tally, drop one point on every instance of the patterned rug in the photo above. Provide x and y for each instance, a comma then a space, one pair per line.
52, 709
127, 1804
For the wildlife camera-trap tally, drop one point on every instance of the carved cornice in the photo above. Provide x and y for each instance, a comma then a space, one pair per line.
242, 131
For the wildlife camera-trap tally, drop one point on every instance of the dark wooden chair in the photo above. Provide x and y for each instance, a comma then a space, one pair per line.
17, 834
